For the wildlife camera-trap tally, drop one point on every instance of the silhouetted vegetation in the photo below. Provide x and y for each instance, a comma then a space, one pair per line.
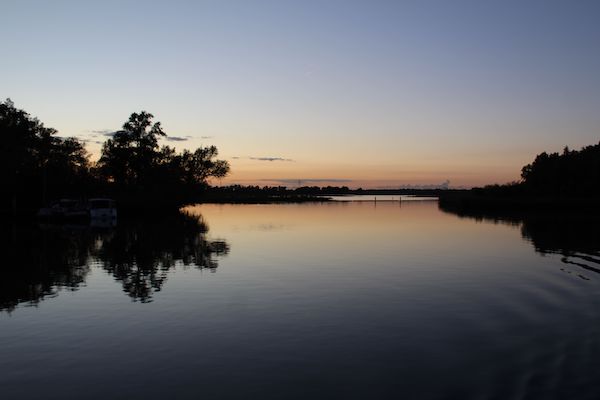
266, 194
38, 166
140, 173
568, 180
572, 173
40, 261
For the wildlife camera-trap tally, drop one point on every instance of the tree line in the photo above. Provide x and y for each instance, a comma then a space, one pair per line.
570, 174
567, 181
38, 166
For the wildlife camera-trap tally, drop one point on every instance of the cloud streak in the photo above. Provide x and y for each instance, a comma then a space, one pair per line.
111, 133
269, 159
103, 132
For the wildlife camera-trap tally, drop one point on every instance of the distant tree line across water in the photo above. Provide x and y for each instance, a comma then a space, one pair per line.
265, 194
569, 180
38, 166
571, 173
255, 193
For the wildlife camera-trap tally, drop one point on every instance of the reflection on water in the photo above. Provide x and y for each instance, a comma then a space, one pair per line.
39, 262
381, 198
140, 254
44, 259
574, 236
350, 300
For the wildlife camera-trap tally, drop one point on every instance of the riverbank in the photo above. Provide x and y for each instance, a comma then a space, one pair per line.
470, 201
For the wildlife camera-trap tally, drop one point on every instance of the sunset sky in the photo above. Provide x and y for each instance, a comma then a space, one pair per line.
356, 93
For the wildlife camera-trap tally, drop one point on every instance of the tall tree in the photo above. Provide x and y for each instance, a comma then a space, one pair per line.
200, 165
133, 161
128, 155
35, 163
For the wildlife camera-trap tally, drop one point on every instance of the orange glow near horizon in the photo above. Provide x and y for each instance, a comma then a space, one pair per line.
373, 176
372, 94
408, 170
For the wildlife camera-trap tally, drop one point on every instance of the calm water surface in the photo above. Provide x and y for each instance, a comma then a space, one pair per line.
334, 300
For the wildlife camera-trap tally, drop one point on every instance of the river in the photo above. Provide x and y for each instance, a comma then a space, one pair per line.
381, 300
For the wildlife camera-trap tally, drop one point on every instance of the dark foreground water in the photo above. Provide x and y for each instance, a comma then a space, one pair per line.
345, 300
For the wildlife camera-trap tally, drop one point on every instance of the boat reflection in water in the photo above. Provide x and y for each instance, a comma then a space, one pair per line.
44, 259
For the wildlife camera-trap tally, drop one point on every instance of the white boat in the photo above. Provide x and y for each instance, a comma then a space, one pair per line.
64, 208
102, 208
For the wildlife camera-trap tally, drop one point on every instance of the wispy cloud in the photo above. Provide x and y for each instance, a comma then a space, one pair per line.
84, 140
176, 138
103, 132
206, 137
270, 159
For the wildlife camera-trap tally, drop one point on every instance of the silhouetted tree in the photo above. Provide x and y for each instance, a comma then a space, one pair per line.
134, 163
572, 173
126, 157
37, 165
200, 165
556, 179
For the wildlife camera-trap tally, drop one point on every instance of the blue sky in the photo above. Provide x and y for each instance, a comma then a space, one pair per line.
375, 93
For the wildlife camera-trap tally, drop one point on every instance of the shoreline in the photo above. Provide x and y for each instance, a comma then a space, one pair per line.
518, 204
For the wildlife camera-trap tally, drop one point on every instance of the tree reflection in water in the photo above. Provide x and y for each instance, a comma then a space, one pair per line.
42, 260
140, 254
574, 235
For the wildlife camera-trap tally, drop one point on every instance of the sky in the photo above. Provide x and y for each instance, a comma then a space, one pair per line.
357, 93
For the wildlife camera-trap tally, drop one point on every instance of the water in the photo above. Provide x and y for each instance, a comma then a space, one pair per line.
334, 300
381, 197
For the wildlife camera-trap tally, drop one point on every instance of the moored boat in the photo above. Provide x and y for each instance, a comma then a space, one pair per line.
69, 209
64, 208
102, 208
